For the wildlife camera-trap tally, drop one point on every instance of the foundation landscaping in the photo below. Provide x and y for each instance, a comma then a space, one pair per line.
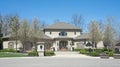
46, 53
13, 53
103, 53
96, 52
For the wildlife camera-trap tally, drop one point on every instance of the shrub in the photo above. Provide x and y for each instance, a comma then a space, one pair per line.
33, 53
93, 54
76, 49
105, 49
90, 50
98, 50
49, 53
83, 51
110, 54
90, 53
8, 50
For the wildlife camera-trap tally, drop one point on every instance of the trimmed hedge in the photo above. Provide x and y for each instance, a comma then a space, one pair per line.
93, 54
46, 53
110, 50
49, 53
110, 54
96, 52
8, 50
76, 49
33, 53
84, 51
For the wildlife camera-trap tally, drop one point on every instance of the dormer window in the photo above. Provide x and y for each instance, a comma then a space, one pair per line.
62, 33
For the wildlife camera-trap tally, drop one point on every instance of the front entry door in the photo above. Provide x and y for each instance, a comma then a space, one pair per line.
63, 45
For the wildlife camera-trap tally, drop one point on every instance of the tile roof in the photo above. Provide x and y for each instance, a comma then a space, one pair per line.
61, 25
82, 36
44, 36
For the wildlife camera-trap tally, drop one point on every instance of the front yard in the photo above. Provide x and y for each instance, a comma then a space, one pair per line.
13, 53
10, 54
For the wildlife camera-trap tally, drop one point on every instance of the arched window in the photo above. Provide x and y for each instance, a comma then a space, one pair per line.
62, 33
11, 45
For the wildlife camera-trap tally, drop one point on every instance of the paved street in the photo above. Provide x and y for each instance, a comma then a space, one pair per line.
58, 62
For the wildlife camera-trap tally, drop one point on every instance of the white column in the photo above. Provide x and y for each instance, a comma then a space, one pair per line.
56, 45
69, 45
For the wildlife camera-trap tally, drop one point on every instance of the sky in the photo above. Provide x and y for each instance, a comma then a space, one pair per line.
50, 10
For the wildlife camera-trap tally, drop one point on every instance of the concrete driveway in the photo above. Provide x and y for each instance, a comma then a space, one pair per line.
58, 62
67, 54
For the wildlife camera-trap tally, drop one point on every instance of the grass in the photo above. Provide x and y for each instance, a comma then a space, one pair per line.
8, 54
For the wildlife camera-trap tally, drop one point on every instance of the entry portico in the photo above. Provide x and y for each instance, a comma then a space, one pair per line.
63, 43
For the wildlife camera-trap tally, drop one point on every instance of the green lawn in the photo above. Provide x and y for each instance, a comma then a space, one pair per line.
6, 54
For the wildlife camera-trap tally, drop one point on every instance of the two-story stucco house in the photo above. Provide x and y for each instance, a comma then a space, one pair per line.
60, 36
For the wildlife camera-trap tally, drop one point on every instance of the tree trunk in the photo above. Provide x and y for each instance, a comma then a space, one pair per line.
35, 46
16, 45
95, 45
23, 46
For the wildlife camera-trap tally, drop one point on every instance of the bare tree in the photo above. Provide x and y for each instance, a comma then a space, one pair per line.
77, 20
1, 26
94, 33
7, 22
117, 31
24, 32
14, 27
108, 35
37, 32
43, 24
29, 33
115, 24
